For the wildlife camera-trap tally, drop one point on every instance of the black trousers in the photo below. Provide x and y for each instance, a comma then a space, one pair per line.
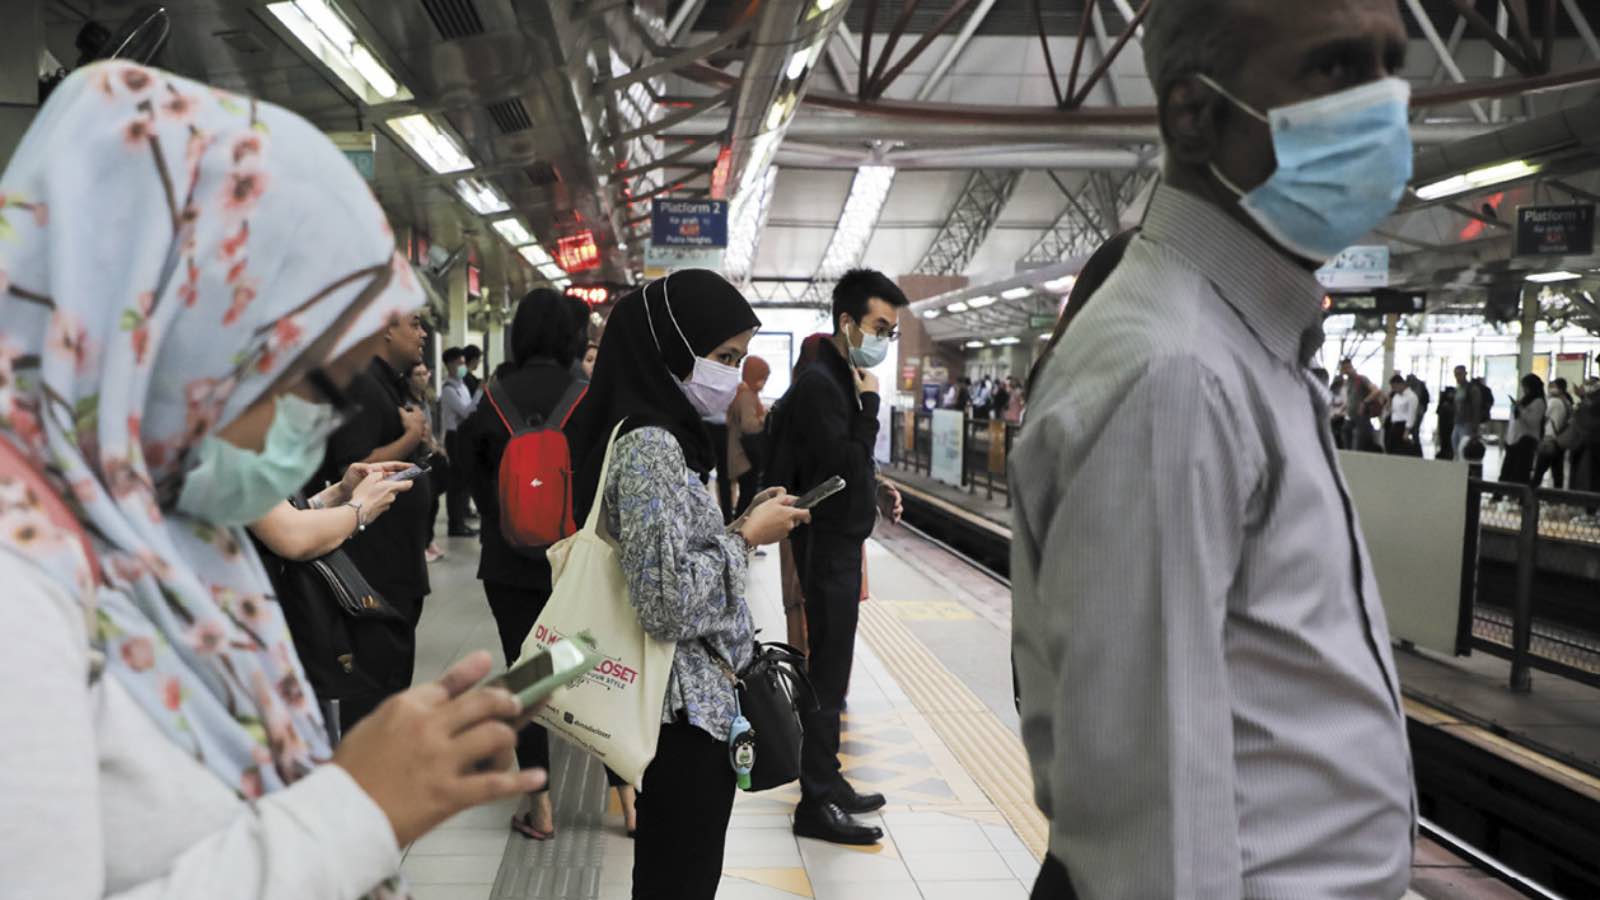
1517, 468
1053, 883
515, 610
749, 487
1554, 463
719, 441
457, 490
411, 608
830, 581
683, 816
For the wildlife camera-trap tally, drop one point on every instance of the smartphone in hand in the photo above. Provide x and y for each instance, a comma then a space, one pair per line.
409, 474
820, 493
533, 679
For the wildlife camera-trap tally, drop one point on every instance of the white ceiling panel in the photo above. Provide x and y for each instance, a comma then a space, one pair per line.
810, 193
923, 197
790, 252
896, 251
1002, 249
1037, 199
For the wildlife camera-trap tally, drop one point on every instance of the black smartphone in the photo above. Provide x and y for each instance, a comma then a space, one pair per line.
408, 474
820, 493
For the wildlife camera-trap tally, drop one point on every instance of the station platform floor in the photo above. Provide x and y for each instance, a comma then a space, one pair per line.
930, 723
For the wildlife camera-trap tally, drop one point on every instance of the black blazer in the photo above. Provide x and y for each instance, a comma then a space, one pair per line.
822, 432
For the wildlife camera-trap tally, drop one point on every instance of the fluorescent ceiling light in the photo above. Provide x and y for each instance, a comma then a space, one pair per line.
535, 255
1547, 277
973, 345
980, 302
930, 314
481, 196
957, 308
440, 151
1005, 341
780, 111
553, 272
868, 192
1062, 285
1477, 178
323, 29
797, 64
1016, 293
513, 231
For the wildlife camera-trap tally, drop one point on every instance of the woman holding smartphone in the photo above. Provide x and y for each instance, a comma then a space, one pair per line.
671, 356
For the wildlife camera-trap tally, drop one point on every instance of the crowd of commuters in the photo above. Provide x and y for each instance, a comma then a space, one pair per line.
989, 398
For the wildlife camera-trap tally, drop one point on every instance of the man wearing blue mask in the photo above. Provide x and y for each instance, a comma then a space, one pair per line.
455, 404
827, 425
1208, 697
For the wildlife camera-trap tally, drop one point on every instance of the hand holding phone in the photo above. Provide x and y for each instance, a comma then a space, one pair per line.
534, 678
820, 493
408, 474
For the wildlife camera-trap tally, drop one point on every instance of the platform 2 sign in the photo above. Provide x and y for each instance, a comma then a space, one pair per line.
689, 223
1555, 230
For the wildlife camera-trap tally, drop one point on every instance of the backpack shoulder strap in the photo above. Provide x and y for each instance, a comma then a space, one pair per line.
569, 401
503, 405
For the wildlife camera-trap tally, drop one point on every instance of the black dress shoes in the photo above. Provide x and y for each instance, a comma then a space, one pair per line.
857, 804
828, 822
463, 532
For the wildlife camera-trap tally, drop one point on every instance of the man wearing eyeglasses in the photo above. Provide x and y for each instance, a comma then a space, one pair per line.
828, 426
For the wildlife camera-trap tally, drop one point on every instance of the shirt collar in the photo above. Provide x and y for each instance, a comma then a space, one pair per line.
1279, 301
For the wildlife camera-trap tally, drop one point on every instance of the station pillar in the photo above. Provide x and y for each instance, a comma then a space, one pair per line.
1530, 322
1391, 332
456, 306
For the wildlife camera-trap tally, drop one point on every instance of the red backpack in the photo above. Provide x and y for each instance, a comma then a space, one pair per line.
535, 482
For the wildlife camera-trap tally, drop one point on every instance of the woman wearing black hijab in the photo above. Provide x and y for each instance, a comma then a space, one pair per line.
671, 353
517, 584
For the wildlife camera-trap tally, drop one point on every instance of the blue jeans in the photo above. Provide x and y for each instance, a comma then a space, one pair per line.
1459, 437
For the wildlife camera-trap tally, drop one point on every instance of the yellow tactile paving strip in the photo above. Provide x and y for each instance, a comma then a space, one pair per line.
1557, 771
985, 749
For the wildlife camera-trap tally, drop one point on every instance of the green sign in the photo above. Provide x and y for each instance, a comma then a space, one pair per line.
1041, 321
360, 147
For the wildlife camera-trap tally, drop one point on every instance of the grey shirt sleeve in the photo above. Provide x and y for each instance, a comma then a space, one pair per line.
1122, 562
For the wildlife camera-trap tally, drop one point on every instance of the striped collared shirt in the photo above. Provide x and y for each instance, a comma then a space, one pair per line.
1209, 702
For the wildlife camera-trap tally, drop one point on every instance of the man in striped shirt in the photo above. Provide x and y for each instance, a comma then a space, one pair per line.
1209, 701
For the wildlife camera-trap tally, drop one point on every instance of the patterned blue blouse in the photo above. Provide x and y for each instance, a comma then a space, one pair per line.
686, 574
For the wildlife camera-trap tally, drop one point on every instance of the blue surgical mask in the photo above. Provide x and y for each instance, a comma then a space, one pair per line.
461, 372
712, 385
232, 486
1343, 163
872, 351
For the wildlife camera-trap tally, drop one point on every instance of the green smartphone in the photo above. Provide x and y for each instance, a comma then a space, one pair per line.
535, 678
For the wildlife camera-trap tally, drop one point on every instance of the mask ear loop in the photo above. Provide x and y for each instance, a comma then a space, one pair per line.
666, 299
1210, 82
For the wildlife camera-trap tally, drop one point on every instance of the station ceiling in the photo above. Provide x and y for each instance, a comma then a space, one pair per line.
958, 122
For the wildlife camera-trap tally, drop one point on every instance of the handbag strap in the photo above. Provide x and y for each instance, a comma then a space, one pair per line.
593, 524
723, 664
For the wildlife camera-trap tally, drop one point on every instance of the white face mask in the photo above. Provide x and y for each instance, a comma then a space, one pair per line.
712, 386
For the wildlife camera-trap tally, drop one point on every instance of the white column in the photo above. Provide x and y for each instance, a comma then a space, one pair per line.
456, 306
1530, 319
1391, 331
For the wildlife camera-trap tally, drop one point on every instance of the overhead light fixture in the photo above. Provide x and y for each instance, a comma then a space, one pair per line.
578, 252
957, 307
481, 196
869, 190
797, 64
554, 273
780, 111
1548, 277
1016, 293
513, 231
441, 152
974, 345
1477, 178
931, 314
1005, 341
535, 256
1062, 285
324, 30
981, 302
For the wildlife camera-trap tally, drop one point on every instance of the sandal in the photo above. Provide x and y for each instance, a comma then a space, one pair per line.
523, 825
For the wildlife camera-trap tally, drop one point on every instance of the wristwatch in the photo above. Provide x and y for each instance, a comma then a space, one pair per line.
361, 517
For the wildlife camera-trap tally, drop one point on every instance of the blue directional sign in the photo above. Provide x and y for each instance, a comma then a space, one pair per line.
689, 223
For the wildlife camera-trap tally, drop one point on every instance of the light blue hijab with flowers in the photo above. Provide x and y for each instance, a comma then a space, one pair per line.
169, 254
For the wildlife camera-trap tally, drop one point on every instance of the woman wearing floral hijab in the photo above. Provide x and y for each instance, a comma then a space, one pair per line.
186, 279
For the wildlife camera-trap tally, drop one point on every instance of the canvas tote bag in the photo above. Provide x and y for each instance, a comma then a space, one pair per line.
614, 712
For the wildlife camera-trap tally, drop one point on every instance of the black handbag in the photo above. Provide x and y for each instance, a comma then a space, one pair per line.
354, 646
772, 691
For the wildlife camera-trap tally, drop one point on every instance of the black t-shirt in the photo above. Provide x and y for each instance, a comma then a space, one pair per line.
390, 552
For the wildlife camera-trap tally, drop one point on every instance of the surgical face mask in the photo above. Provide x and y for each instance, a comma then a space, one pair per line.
711, 386
872, 351
461, 372
232, 486
1343, 163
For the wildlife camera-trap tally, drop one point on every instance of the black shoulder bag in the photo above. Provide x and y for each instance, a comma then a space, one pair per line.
770, 691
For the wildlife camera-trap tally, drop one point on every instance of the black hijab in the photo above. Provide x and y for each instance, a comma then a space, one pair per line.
543, 327
641, 356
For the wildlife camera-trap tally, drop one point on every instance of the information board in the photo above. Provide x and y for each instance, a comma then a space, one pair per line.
689, 223
659, 261
949, 433
1555, 230
1362, 266
360, 147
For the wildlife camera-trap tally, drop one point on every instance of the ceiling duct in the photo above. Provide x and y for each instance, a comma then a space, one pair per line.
510, 116
1550, 145
455, 19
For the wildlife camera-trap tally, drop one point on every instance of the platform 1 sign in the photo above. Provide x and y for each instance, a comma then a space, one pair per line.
1356, 268
689, 223
949, 427
1555, 230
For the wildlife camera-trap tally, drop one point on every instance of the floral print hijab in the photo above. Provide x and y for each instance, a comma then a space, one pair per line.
169, 254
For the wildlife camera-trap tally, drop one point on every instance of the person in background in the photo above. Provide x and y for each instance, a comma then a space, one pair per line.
1444, 436
517, 584
160, 738
1336, 412
388, 427
964, 395
1424, 402
455, 405
1400, 419
983, 399
422, 395
1209, 699
1586, 442
670, 358
1470, 411
1014, 408
747, 422
1363, 401
829, 427
1000, 403
472, 355
591, 352
1524, 432
1552, 454
794, 602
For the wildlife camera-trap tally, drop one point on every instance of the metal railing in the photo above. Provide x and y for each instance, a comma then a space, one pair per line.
983, 463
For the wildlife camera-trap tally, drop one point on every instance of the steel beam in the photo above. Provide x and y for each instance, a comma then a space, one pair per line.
1079, 230
982, 200
1447, 59
963, 37
1581, 23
